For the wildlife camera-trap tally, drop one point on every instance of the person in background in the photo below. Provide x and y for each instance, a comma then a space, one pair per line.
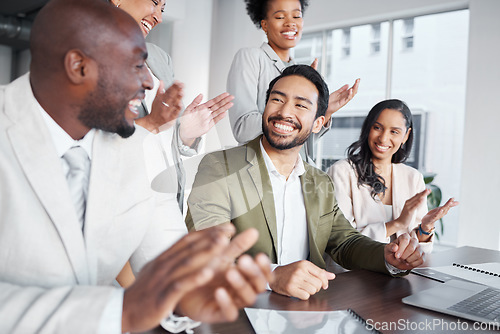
266, 185
176, 138
76, 203
253, 69
378, 194
162, 105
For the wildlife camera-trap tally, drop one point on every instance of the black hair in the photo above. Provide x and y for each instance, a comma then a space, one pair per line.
360, 155
313, 76
257, 9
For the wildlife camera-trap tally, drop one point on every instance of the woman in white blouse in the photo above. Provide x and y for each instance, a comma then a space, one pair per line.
377, 193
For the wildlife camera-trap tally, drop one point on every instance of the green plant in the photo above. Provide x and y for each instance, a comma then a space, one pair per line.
434, 199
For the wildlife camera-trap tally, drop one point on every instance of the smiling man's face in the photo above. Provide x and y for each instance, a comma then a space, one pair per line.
290, 114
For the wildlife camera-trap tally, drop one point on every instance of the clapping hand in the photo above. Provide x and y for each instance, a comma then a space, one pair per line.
340, 98
198, 118
404, 253
435, 214
197, 277
407, 214
235, 285
165, 109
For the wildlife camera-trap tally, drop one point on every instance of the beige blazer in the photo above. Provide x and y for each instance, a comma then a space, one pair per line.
53, 277
368, 215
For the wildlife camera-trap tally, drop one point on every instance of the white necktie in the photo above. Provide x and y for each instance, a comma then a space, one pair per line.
78, 179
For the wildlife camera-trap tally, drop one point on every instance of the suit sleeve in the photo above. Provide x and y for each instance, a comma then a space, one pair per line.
65, 309
209, 202
242, 82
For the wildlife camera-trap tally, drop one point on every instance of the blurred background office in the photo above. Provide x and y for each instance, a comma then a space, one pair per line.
440, 56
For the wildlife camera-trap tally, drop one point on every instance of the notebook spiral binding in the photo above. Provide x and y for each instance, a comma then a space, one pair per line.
362, 320
458, 265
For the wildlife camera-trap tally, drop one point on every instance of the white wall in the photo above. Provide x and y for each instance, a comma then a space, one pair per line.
232, 29
478, 222
479, 218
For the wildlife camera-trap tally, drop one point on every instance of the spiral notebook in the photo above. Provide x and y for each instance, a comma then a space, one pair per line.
266, 321
482, 273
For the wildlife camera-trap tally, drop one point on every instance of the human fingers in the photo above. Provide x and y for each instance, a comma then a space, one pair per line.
335, 95
161, 89
410, 245
355, 87
416, 258
253, 273
241, 243
264, 264
144, 308
241, 288
307, 277
220, 103
228, 309
416, 200
220, 116
192, 106
402, 242
216, 99
172, 97
320, 274
194, 255
314, 64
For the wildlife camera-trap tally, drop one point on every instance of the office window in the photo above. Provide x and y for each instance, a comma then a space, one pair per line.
346, 42
340, 70
375, 44
407, 35
309, 48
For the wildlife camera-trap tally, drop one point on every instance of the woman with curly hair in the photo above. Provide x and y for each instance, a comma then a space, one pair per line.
377, 193
253, 69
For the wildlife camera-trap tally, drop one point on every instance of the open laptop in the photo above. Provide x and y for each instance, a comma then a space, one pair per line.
462, 299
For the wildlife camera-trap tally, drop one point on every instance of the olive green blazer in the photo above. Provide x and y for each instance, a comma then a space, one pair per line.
234, 185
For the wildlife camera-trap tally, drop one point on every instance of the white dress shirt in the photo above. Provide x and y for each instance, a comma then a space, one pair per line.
291, 219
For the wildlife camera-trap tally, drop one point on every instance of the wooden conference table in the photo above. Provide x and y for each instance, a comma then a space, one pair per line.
373, 296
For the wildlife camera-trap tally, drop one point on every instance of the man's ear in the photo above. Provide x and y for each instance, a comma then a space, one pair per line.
79, 67
318, 124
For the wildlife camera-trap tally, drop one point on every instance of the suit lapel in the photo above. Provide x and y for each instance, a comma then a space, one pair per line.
260, 177
103, 193
38, 158
278, 63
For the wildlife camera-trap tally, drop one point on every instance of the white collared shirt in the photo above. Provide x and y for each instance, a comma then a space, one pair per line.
291, 219
63, 141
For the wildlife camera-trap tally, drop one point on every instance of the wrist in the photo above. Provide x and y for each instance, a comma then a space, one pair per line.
425, 230
185, 140
147, 123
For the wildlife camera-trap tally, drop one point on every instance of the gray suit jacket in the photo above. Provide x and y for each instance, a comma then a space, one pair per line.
53, 278
234, 185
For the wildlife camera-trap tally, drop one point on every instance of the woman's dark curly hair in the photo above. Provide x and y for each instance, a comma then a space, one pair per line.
360, 155
257, 9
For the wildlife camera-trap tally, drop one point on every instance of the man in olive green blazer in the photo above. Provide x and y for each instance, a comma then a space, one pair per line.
235, 185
